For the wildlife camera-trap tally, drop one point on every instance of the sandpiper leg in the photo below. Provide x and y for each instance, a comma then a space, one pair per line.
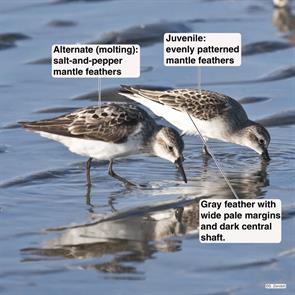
88, 166
205, 150
113, 174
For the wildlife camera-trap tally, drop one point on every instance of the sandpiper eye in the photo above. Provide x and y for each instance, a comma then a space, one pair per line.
170, 148
261, 141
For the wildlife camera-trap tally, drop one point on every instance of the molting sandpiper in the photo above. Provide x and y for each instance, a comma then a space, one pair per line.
112, 131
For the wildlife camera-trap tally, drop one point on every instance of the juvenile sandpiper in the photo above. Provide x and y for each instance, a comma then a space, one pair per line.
215, 115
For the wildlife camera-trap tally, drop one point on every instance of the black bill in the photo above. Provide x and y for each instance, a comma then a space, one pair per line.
265, 155
178, 164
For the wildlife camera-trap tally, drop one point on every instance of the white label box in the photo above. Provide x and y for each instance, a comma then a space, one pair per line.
95, 61
202, 49
240, 221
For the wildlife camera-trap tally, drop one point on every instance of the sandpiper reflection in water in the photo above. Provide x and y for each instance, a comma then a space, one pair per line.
135, 234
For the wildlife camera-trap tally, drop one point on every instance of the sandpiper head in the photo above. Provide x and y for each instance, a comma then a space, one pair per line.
168, 144
257, 138
280, 3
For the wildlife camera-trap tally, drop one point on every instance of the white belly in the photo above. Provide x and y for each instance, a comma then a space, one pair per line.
96, 149
211, 129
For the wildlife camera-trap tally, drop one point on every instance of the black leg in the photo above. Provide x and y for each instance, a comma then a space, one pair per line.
113, 174
206, 152
88, 166
88, 177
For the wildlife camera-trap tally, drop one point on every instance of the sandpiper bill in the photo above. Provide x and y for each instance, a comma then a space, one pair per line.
112, 131
215, 115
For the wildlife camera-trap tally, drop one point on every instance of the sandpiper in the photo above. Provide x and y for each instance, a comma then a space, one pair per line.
112, 131
280, 3
215, 115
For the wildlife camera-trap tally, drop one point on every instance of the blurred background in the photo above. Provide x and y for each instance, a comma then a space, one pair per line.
57, 237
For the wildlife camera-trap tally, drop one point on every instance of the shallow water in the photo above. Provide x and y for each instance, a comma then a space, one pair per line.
57, 237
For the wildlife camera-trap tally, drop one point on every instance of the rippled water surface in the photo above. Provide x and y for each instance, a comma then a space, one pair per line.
59, 238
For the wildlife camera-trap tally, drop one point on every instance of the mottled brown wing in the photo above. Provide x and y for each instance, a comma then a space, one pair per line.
109, 123
204, 104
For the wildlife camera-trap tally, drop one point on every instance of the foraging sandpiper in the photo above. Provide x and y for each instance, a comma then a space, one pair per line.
215, 115
112, 131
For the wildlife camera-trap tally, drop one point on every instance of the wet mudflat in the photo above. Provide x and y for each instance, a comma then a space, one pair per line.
56, 237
